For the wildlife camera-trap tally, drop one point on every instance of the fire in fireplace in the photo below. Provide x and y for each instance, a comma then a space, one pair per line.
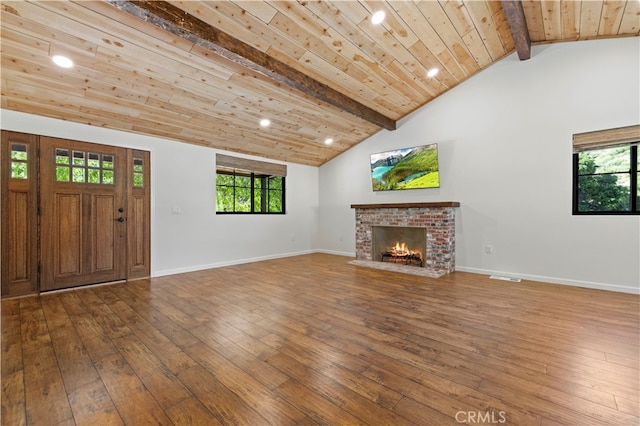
400, 253
399, 244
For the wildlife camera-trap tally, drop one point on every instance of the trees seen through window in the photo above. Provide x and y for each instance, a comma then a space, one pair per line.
606, 181
239, 191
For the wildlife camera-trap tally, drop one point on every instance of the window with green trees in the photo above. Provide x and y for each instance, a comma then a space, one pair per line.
606, 180
239, 191
84, 167
245, 186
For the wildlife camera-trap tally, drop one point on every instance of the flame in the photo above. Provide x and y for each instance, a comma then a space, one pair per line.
401, 253
401, 249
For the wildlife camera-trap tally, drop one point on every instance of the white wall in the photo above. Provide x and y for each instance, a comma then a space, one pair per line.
183, 176
505, 154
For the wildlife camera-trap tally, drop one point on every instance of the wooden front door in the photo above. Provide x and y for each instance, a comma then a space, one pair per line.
83, 229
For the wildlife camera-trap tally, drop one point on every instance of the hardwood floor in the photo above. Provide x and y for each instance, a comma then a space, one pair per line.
312, 340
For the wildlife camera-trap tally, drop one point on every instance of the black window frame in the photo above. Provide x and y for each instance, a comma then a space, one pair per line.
264, 178
633, 186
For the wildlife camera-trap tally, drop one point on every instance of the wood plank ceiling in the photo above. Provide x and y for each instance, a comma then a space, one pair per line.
133, 75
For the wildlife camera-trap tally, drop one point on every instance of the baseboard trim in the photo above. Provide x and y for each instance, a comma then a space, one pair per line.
553, 280
338, 253
194, 268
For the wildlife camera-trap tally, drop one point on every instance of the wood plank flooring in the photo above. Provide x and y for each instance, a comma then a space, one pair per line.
312, 340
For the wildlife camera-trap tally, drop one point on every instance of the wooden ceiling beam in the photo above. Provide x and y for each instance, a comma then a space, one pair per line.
514, 13
170, 18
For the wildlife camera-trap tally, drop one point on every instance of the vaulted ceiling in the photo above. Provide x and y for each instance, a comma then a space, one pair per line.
206, 72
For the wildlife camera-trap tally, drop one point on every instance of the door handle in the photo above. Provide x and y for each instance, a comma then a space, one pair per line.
120, 219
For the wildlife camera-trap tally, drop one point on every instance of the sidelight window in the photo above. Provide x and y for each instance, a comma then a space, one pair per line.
138, 172
19, 169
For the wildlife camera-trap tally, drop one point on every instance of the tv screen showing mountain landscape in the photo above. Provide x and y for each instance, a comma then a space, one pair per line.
408, 168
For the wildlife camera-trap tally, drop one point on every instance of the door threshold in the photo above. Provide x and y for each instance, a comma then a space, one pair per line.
61, 290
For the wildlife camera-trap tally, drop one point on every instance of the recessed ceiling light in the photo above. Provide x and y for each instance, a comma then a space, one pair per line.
378, 17
265, 122
432, 72
328, 141
62, 61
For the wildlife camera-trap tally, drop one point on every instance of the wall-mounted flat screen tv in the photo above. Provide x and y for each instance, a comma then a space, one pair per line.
407, 168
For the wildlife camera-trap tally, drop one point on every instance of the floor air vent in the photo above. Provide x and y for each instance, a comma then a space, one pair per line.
503, 278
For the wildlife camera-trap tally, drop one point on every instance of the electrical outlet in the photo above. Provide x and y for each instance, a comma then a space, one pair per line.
488, 249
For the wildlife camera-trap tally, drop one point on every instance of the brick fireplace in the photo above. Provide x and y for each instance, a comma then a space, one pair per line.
438, 219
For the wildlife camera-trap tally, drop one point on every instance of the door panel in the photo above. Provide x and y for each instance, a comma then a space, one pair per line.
104, 232
19, 235
83, 187
19, 219
68, 235
138, 252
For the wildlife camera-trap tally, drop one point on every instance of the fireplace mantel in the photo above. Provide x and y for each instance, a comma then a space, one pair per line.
407, 205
